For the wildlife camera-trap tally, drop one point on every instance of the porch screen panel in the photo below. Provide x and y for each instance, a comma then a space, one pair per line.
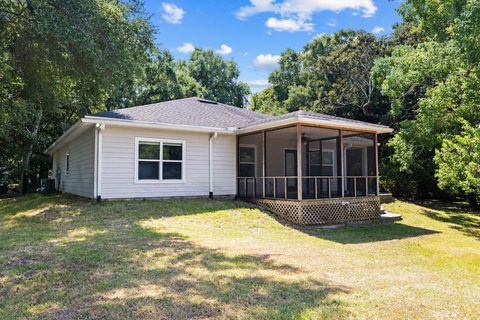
281, 163
321, 168
359, 164
249, 162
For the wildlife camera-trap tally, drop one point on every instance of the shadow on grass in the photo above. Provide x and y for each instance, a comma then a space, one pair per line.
93, 267
12, 206
460, 216
370, 233
373, 232
167, 207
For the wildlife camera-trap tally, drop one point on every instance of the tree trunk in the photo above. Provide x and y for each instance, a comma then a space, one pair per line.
29, 151
474, 200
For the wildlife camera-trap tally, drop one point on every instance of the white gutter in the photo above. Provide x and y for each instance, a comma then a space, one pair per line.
154, 125
210, 162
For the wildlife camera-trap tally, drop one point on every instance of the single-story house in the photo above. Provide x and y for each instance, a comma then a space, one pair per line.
195, 147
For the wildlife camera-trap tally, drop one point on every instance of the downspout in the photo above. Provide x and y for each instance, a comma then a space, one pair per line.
98, 161
95, 164
210, 162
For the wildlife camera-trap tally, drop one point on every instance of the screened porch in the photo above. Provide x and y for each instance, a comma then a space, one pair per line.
332, 163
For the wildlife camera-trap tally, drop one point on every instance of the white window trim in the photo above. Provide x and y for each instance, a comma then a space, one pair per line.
67, 159
160, 161
254, 146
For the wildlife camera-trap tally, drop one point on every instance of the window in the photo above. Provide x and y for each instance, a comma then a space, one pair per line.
327, 158
246, 161
159, 160
321, 165
67, 164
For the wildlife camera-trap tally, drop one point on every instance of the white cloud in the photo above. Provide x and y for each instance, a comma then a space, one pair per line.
267, 62
332, 23
304, 9
378, 30
172, 13
260, 83
224, 50
257, 6
186, 47
289, 25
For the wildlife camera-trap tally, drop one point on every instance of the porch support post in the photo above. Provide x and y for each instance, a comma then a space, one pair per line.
264, 161
342, 165
377, 190
299, 162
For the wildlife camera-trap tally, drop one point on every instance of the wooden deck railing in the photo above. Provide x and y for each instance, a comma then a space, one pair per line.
268, 187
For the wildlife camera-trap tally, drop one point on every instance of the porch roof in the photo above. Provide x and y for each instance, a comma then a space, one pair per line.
313, 118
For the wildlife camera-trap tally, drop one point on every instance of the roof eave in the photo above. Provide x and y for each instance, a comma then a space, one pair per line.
334, 124
346, 125
154, 125
67, 136
82, 124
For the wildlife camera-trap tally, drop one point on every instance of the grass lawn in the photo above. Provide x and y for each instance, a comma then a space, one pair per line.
67, 258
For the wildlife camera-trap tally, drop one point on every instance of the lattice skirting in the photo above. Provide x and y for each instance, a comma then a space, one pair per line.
323, 211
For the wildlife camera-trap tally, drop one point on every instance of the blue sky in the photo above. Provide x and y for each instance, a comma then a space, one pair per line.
254, 32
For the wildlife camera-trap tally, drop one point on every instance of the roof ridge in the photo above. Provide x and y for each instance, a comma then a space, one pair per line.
147, 105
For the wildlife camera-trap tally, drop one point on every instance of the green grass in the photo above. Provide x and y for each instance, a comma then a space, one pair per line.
66, 258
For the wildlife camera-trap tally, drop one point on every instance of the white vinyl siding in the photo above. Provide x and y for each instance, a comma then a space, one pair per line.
79, 178
225, 165
118, 164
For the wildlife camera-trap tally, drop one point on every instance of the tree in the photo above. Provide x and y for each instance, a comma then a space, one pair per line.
204, 74
217, 78
330, 75
433, 88
459, 164
66, 56
266, 101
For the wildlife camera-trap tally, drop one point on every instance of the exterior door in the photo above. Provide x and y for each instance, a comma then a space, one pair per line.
291, 169
354, 167
354, 162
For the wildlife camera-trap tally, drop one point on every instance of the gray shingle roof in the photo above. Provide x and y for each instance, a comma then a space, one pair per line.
189, 111
205, 113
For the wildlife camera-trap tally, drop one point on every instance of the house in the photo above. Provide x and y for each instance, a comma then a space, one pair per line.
195, 147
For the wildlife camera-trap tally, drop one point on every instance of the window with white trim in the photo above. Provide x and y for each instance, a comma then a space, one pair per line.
246, 161
67, 163
160, 160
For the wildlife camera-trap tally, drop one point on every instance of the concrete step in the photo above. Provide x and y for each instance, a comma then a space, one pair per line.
386, 216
